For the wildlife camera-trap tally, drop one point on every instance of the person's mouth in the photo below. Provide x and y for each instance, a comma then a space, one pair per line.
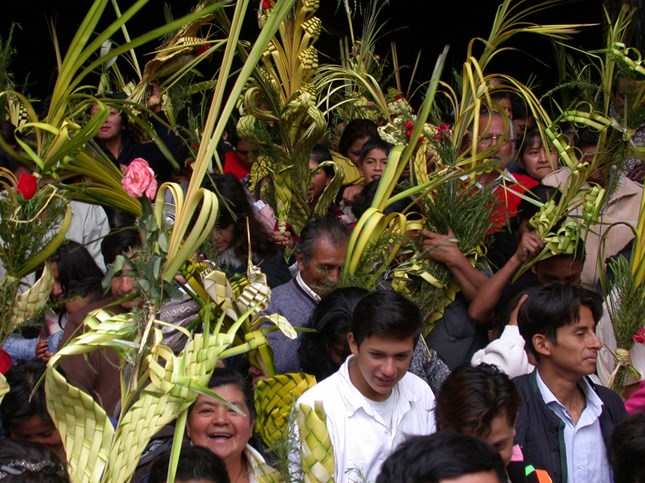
384, 381
220, 436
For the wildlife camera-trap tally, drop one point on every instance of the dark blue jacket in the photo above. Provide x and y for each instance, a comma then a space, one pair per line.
540, 432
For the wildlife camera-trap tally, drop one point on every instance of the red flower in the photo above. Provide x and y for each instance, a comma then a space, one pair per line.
202, 48
266, 4
639, 336
27, 186
398, 97
409, 125
441, 129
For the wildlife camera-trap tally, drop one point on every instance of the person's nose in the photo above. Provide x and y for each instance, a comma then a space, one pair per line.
57, 290
389, 367
335, 274
596, 343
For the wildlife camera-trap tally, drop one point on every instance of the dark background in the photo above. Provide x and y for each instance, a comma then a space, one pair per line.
414, 25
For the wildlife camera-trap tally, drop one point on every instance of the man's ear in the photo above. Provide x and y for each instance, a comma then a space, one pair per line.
353, 346
542, 344
300, 260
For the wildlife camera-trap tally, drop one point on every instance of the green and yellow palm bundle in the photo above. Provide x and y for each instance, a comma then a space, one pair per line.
33, 223
625, 302
316, 452
157, 385
377, 237
438, 181
581, 203
281, 116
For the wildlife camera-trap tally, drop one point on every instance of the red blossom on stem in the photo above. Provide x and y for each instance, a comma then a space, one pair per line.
442, 129
266, 4
27, 186
639, 336
202, 48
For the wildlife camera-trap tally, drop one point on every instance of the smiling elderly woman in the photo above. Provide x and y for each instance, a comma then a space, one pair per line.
224, 431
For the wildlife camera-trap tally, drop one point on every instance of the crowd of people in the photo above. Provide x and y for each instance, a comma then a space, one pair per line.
509, 385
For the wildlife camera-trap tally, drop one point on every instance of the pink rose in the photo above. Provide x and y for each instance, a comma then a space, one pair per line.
139, 179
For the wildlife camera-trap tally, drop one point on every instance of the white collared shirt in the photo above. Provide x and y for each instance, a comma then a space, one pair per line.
362, 440
306, 289
584, 445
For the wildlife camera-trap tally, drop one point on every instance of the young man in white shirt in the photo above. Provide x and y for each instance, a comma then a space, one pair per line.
566, 420
373, 403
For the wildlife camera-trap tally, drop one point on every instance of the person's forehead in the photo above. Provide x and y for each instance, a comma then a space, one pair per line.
324, 245
492, 125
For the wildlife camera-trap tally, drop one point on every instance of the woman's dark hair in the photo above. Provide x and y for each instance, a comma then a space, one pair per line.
195, 463
330, 320
119, 241
75, 266
374, 143
22, 402
235, 209
440, 456
471, 397
319, 154
356, 129
388, 314
27, 462
223, 376
552, 306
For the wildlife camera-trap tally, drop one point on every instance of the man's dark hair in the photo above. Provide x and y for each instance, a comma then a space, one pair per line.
195, 463
552, 306
386, 313
329, 227
472, 396
430, 459
627, 450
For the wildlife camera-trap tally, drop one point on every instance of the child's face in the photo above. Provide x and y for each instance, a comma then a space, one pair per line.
373, 165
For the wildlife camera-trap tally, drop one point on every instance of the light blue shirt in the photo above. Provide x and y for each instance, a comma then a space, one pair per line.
584, 445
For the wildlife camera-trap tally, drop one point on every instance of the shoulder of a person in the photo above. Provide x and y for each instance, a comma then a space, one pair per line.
523, 384
525, 180
609, 398
558, 178
321, 391
416, 389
